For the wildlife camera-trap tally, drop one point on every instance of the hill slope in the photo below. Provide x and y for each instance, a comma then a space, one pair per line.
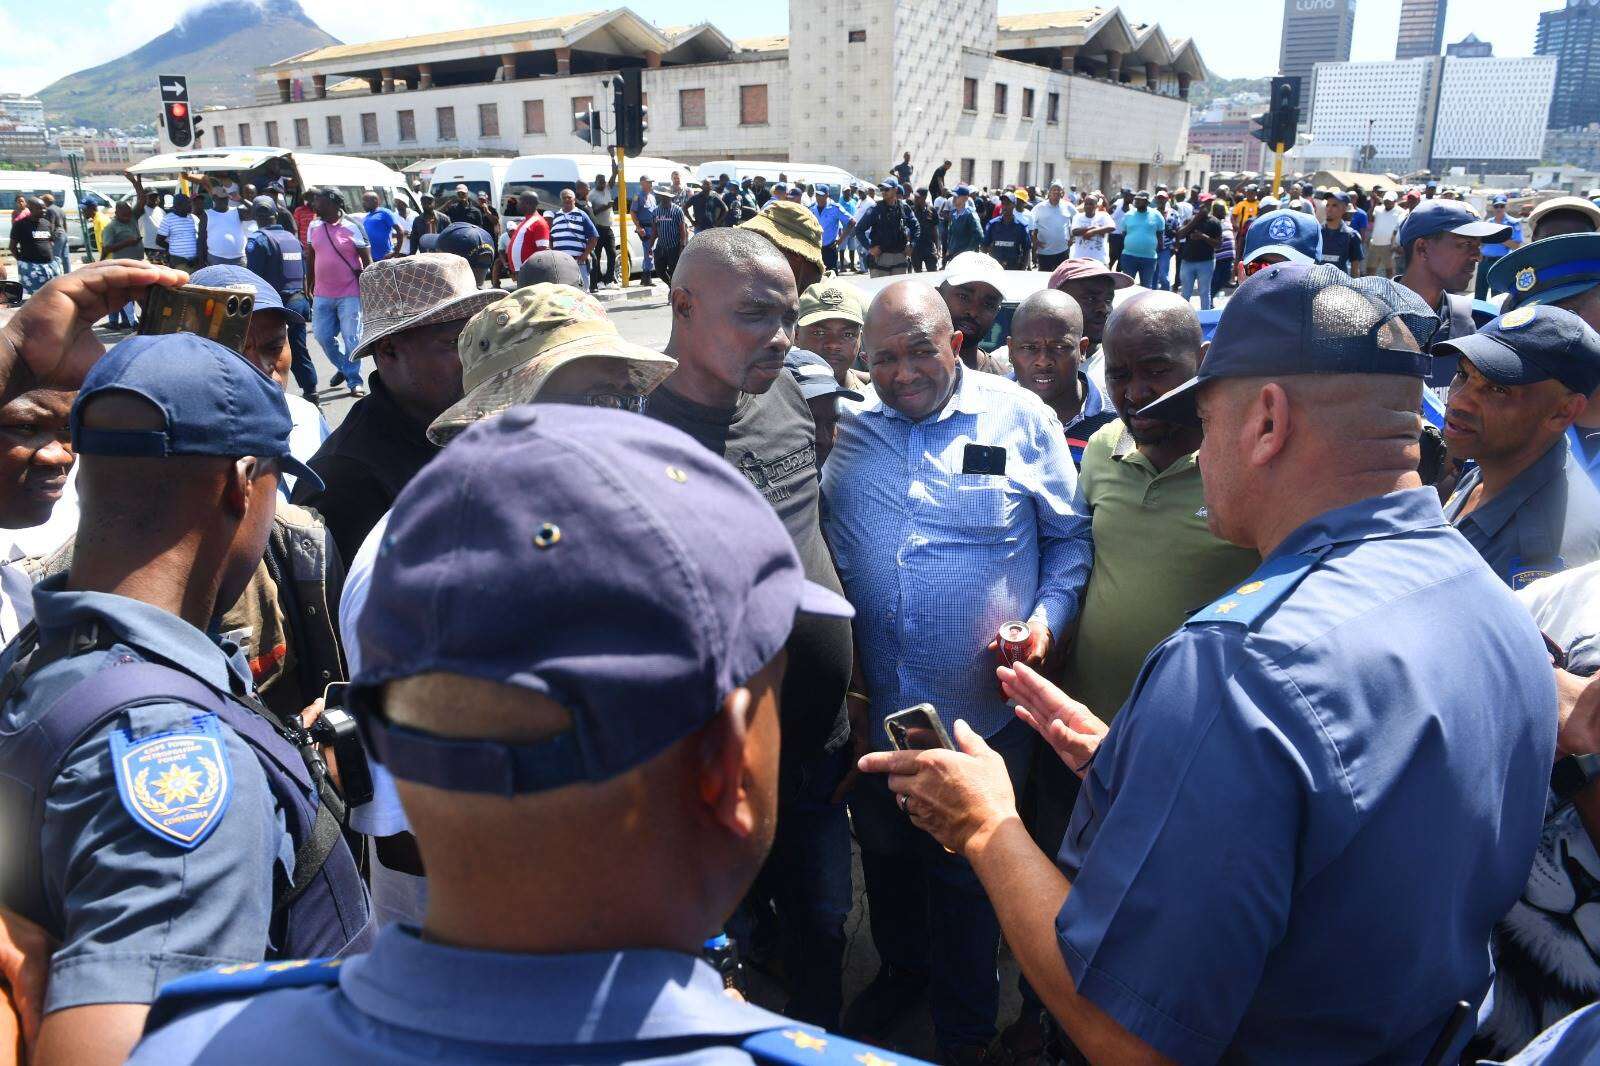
217, 46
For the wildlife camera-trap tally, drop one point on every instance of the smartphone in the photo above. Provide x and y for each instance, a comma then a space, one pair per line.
221, 314
917, 729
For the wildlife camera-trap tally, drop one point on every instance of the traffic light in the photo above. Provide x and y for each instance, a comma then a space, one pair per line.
586, 126
194, 121
176, 116
1282, 118
632, 120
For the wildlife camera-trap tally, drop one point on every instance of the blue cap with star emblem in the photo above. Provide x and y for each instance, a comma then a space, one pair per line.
1292, 236
1548, 271
1532, 344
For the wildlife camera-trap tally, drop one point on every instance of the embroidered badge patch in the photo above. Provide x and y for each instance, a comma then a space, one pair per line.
1281, 229
1516, 319
1526, 279
175, 784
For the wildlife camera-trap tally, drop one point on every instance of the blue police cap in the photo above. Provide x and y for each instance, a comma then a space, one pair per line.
605, 561
213, 401
1548, 271
1448, 216
1533, 344
1291, 319
460, 238
963, 190
225, 274
1294, 235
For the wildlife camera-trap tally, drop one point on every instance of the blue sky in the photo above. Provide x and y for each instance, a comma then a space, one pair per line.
1238, 38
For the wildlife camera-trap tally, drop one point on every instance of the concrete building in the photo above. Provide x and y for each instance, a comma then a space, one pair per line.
1576, 147
1421, 28
1084, 96
1435, 113
1469, 47
23, 110
1225, 136
22, 143
1572, 35
104, 154
1314, 31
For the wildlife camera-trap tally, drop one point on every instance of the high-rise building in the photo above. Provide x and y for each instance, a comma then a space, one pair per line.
1314, 31
1469, 47
1572, 35
1421, 28
1385, 103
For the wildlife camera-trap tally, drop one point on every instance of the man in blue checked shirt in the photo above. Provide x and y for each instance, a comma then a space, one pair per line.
949, 494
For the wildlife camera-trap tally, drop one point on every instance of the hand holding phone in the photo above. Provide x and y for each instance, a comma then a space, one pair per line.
917, 729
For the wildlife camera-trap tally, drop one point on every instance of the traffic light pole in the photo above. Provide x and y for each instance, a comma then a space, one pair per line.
1277, 168
621, 187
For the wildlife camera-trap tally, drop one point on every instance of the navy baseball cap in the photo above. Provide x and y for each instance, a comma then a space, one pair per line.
814, 376
889, 183
1533, 344
213, 400
605, 561
225, 275
460, 238
1291, 319
1448, 216
963, 190
1548, 271
1294, 235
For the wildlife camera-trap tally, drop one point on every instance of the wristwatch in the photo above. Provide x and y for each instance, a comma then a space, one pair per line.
1573, 774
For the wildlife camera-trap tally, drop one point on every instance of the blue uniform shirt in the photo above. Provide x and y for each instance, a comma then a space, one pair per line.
139, 910
1295, 840
1590, 463
1546, 520
833, 218
411, 1001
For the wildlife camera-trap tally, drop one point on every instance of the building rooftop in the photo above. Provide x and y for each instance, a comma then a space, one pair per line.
557, 25
779, 43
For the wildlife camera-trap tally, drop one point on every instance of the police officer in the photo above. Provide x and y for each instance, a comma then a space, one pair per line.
591, 795
274, 252
1560, 272
157, 823
1522, 380
1442, 241
1262, 849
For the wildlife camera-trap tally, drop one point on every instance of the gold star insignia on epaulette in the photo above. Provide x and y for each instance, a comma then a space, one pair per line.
1254, 586
292, 964
240, 967
1224, 608
869, 1059
804, 1041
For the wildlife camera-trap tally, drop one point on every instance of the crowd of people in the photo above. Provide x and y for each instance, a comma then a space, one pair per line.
528, 712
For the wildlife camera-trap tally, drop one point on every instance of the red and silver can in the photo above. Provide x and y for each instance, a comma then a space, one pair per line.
1013, 639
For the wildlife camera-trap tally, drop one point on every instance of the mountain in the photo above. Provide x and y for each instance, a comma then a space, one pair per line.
218, 46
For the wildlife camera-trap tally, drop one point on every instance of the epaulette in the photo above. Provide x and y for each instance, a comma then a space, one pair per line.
237, 981
1261, 591
797, 1046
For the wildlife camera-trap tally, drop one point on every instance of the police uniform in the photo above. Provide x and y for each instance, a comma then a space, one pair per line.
149, 815
1458, 315
1548, 517
524, 505
1295, 839
1546, 272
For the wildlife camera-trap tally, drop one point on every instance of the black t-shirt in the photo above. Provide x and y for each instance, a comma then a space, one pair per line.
419, 227
1195, 250
1340, 247
457, 211
35, 237
771, 439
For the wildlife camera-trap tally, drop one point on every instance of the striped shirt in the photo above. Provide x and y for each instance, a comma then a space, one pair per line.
182, 234
571, 232
934, 560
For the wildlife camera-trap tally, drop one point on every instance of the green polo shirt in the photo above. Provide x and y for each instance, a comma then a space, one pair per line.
1154, 562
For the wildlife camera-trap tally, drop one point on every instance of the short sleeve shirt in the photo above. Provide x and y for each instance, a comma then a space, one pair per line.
338, 263
379, 226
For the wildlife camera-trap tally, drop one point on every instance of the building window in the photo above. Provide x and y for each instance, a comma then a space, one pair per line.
752, 105
969, 171
533, 116
408, 125
1027, 103
335, 129
969, 94
997, 174
1049, 174
1024, 173
692, 108
445, 119
369, 127
858, 36
244, 133
488, 120
581, 105
1052, 108
219, 140
999, 99
272, 134
302, 133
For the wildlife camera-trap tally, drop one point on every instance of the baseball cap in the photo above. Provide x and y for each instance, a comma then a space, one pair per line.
1082, 267
968, 267
1548, 271
549, 265
1290, 318
1295, 236
510, 349
1337, 194
213, 402
889, 183
1532, 344
460, 238
963, 190
264, 205
540, 514
226, 275
792, 228
1448, 216
830, 298
814, 376
1268, 203
1498, 200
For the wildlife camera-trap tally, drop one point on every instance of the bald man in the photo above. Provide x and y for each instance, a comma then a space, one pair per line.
734, 306
1286, 790
949, 512
1047, 348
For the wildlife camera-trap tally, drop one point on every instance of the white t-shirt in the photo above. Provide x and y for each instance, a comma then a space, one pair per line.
1385, 223
225, 234
1053, 222
149, 225
1091, 247
16, 583
1567, 607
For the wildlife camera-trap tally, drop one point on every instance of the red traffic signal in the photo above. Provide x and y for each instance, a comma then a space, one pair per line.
179, 110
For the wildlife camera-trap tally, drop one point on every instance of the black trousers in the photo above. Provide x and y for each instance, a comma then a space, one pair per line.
603, 247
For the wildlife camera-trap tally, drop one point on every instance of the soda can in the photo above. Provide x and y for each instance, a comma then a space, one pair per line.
1013, 639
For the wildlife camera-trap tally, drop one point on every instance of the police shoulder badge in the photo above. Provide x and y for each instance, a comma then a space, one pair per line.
175, 784
1526, 279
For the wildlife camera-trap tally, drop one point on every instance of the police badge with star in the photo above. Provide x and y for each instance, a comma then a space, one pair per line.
175, 784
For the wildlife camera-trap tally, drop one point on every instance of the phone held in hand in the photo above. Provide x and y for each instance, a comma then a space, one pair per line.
221, 314
917, 729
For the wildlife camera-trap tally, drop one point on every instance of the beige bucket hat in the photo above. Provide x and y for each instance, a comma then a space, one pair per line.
417, 290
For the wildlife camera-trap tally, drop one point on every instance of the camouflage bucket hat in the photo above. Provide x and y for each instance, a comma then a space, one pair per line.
792, 228
510, 350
